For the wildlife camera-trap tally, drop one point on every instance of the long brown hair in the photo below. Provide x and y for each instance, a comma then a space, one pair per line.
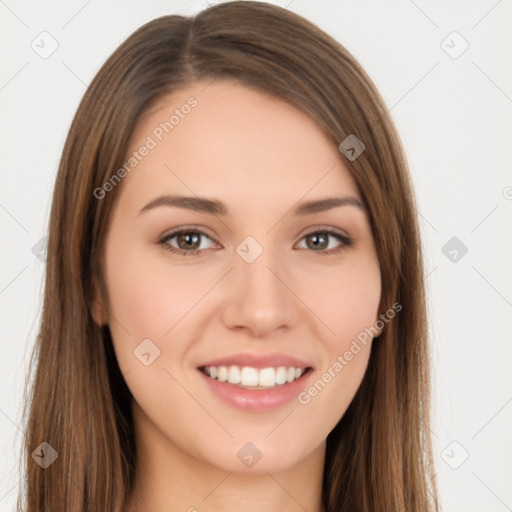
379, 456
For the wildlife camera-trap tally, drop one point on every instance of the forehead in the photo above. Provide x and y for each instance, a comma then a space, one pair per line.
227, 140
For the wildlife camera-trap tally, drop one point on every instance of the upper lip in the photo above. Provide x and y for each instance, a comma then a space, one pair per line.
258, 361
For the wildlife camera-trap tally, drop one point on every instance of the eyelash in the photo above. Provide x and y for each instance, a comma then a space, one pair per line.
346, 241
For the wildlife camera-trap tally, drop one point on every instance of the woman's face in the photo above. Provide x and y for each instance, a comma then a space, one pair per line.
252, 285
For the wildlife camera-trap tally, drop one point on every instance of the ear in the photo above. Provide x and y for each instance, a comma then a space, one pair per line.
375, 335
98, 310
378, 325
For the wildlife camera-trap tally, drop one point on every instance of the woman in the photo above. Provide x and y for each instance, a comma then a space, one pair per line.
234, 312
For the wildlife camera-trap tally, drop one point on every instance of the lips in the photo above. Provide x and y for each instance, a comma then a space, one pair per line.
254, 382
256, 399
258, 361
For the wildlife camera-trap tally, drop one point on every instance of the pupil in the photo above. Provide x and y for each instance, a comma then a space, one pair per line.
187, 238
316, 237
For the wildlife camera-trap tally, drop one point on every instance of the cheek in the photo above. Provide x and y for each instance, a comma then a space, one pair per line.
345, 301
347, 305
149, 297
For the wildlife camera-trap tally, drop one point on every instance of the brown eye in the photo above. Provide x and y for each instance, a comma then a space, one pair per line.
319, 241
188, 242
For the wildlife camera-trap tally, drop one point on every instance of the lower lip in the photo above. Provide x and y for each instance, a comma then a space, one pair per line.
257, 400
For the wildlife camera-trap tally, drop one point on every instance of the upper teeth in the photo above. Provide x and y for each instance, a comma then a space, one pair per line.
248, 376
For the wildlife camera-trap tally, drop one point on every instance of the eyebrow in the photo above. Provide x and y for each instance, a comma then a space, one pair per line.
215, 207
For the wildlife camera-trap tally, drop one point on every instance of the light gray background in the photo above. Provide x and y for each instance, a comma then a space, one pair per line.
454, 116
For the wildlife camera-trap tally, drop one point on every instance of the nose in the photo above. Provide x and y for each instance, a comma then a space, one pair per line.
259, 299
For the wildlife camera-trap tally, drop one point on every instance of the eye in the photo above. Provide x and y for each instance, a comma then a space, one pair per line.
188, 240
320, 240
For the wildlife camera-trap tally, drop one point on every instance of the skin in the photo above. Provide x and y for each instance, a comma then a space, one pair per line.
260, 156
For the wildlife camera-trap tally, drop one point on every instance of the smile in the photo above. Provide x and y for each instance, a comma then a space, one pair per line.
254, 378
